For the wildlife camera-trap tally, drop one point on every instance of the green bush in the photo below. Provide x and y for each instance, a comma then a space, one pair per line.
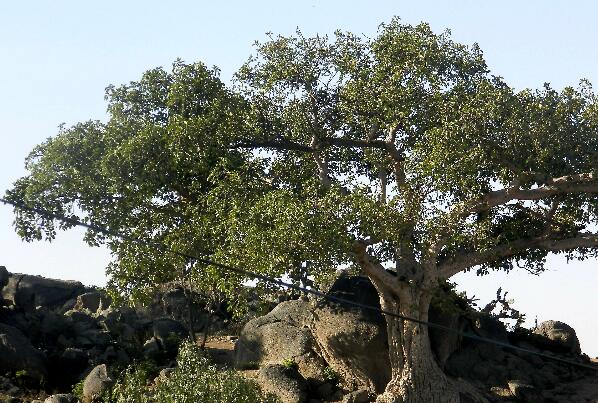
78, 389
132, 385
330, 375
194, 379
290, 363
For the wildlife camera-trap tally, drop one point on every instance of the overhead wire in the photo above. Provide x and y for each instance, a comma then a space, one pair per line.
281, 283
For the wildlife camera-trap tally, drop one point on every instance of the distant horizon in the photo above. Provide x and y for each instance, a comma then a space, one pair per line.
60, 57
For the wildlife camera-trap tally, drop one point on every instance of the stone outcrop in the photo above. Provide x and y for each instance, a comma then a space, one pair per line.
96, 384
353, 341
28, 292
560, 333
17, 355
304, 348
283, 334
285, 382
53, 332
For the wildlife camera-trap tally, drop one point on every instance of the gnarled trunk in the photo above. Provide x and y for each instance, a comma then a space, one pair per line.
416, 377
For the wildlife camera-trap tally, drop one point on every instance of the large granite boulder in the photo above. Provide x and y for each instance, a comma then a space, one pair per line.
92, 302
353, 340
96, 384
560, 333
17, 354
27, 292
282, 334
284, 382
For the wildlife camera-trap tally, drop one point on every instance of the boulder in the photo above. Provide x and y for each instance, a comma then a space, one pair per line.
359, 396
151, 348
74, 360
524, 392
282, 334
169, 333
61, 398
560, 333
285, 382
491, 328
96, 383
443, 342
27, 292
66, 366
353, 340
17, 354
4, 276
53, 325
92, 302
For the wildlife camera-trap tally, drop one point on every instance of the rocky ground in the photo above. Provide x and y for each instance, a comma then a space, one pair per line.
54, 334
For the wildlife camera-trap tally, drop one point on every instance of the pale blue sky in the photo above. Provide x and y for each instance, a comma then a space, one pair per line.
56, 58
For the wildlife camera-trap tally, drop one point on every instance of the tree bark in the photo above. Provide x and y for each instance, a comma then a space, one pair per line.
416, 376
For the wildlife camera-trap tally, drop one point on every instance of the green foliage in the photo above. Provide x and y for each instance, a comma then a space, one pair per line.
447, 300
330, 375
290, 363
77, 390
133, 385
281, 172
194, 379
22, 373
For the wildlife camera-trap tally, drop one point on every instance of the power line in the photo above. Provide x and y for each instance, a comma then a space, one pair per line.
248, 273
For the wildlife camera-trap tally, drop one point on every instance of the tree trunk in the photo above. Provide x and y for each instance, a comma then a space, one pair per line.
416, 376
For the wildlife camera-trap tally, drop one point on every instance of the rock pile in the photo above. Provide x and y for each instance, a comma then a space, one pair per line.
342, 353
54, 333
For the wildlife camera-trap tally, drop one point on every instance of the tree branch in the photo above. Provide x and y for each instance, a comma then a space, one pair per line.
579, 183
281, 144
460, 262
374, 270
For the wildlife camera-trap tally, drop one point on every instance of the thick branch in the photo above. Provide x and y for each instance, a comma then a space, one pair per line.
275, 144
460, 262
383, 177
320, 162
579, 183
374, 270
284, 144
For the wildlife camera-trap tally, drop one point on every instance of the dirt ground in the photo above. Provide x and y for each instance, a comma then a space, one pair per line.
221, 350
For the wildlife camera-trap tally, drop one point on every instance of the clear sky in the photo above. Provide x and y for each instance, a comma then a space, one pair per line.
56, 58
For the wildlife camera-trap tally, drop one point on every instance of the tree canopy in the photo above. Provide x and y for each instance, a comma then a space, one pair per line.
399, 153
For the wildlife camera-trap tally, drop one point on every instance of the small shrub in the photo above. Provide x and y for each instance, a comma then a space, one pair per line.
290, 363
78, 389
22, 373
194, 379
132, 385
330, 375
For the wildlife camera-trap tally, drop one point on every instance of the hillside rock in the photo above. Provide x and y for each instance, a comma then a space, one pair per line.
17, 354
4, 276
282, 334
353, 341
92, 302
27, 292
61, 398
560, 333
96, 383
284, 382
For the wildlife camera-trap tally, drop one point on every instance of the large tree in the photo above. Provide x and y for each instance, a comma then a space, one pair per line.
401, 155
